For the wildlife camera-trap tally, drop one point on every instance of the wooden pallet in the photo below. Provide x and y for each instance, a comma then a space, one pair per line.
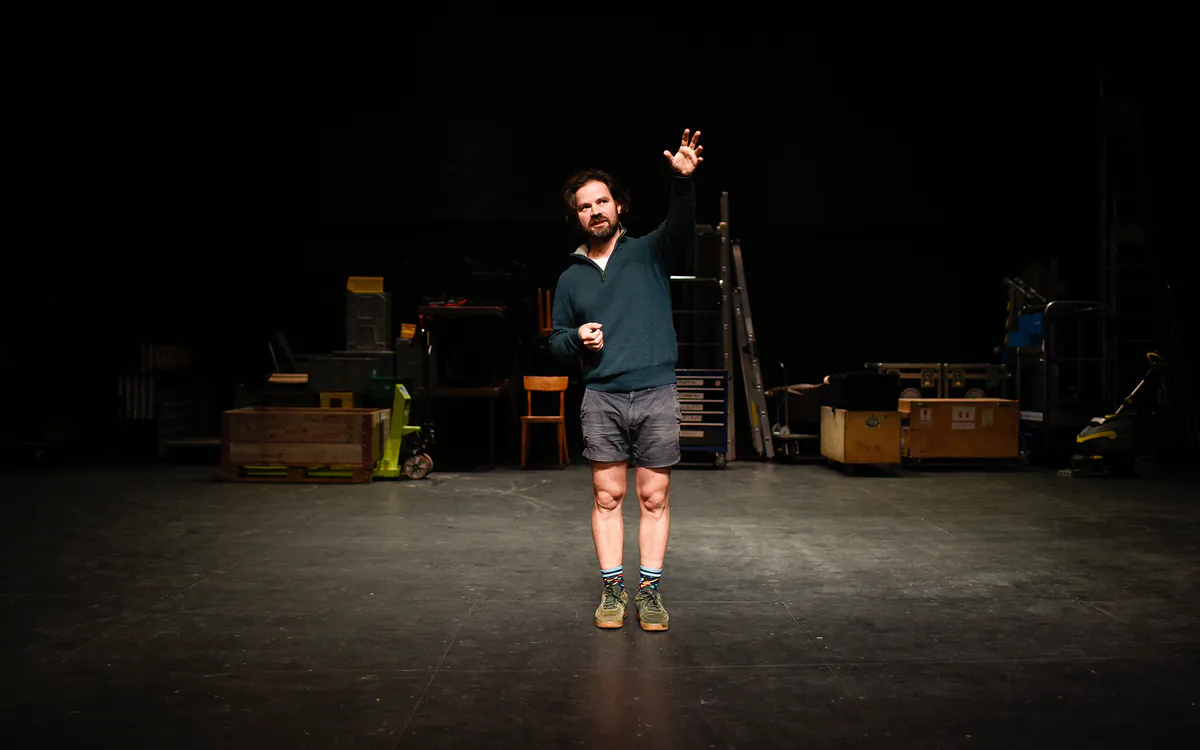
300, 444
311, 474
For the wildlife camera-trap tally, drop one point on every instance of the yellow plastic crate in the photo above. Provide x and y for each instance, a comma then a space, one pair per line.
365, 284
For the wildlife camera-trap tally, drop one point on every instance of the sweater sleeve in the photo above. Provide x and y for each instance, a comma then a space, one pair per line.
564, 342
676, 236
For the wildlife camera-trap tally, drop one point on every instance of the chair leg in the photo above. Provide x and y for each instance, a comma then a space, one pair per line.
524, 441
562, 440
558, 434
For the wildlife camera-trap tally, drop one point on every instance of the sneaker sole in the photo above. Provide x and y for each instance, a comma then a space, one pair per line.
651, 625
612, 624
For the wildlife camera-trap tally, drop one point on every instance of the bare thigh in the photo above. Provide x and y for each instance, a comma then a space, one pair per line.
608, 483
653, 487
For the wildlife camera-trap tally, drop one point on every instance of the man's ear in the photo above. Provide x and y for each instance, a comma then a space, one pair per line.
620, 209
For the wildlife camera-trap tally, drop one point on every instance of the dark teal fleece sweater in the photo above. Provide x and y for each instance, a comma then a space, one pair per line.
631, 299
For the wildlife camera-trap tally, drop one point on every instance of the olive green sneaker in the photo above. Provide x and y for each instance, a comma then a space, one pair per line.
611, 612
651, 614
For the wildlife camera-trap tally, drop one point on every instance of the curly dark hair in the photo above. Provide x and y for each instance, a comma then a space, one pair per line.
578, 180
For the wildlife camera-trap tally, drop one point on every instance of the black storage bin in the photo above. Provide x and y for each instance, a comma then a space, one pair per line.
862, 390
385, 359
347, 374
410, 362
369, 321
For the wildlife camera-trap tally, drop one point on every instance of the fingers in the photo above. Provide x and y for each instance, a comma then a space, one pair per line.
689, 142
593, 338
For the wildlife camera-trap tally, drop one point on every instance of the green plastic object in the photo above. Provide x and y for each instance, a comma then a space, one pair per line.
395, 464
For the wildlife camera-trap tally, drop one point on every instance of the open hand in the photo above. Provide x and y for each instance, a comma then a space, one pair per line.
592, 336
685, 161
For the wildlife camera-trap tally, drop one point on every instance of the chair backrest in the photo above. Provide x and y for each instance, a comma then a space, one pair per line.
545, 312
545, 383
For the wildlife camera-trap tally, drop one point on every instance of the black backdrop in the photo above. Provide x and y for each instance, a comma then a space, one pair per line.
879, 208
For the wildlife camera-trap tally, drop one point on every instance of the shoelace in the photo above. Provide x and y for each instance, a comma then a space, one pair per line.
612, 598
652, 600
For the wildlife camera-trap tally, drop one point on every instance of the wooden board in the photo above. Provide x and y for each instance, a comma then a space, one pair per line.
303, 440
860, 437
960, 428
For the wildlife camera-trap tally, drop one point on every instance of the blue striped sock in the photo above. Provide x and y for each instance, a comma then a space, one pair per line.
614, 576
650, 577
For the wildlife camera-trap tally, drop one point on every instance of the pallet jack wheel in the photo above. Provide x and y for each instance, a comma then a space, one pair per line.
418, 466
1145, 466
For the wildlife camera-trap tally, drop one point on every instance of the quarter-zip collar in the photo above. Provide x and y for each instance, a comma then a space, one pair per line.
581, 252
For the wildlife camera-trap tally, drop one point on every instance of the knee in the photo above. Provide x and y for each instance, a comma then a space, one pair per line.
654, 501
608, 500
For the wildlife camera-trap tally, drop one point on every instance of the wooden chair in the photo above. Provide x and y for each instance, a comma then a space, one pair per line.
550, 385
545, 312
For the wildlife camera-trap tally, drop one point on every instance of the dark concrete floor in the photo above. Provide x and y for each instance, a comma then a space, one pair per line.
944, 609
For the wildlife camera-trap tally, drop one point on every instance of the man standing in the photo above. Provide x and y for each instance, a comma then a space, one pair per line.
612, 309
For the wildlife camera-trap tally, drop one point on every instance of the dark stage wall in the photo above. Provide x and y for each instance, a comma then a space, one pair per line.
878, 212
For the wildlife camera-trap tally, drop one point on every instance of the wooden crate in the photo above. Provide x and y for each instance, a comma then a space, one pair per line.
296, 444
954, 428
860, 437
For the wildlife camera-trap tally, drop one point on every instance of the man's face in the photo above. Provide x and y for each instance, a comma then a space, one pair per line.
597, 211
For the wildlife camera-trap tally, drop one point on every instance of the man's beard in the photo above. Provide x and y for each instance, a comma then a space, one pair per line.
602, 233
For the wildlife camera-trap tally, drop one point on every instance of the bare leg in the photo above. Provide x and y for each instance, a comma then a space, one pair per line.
653, 489
608, 526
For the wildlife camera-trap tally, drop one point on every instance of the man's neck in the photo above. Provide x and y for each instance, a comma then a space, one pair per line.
604, 249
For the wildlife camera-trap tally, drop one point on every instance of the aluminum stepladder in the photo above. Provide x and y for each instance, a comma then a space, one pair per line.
756, 399
727, 324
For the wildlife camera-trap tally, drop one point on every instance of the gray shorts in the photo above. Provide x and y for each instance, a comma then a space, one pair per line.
641, 426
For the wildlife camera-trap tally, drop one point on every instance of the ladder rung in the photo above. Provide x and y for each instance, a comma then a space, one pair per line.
752, 374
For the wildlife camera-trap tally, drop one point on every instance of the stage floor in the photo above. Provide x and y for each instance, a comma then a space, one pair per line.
164, 607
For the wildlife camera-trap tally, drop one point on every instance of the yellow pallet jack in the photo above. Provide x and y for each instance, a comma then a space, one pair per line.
403, 441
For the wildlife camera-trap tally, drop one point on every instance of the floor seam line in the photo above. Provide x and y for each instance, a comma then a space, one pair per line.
436, 669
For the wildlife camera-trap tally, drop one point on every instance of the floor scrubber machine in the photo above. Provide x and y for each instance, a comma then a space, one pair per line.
1135, 438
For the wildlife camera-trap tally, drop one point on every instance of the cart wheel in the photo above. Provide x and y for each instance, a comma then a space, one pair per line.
418, 466
720, 461
1146, 466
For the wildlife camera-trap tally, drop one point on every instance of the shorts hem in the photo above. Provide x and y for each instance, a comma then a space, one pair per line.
616, 458
660, 464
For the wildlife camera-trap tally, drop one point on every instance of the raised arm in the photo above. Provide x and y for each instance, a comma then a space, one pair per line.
676, 236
